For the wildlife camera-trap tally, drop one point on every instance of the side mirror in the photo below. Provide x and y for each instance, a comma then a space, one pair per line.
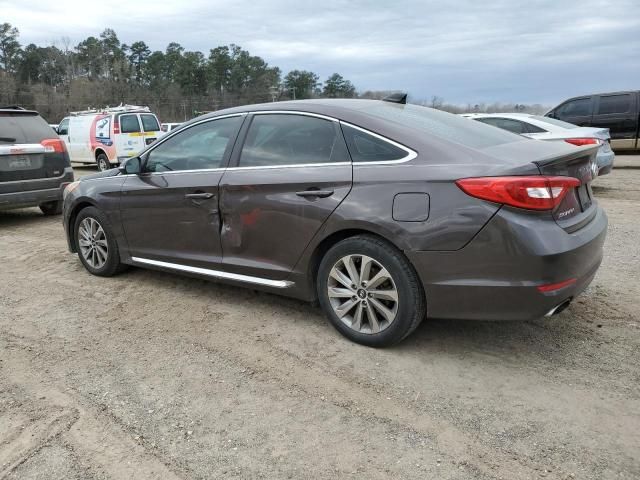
131, 166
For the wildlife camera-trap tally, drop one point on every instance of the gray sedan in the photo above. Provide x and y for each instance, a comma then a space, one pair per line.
383, 212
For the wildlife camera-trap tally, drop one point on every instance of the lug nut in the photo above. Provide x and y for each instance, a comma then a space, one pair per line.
354, 298
370, 294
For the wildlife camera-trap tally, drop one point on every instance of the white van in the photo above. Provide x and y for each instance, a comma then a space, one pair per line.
109, 136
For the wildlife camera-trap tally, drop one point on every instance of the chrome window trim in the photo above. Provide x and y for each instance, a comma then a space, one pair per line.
411, 154
295, 165
295, 112
215, 273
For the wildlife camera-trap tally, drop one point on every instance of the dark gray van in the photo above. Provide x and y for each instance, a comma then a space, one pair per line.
617, 111
34, 163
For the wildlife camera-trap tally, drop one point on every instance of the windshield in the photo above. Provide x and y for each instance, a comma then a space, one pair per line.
441, 124
553, 121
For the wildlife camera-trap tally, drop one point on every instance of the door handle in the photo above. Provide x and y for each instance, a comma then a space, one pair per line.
199, 196
315, 193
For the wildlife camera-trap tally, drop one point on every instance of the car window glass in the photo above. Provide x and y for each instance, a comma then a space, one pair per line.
534, 128
513, 126
575, 108
196, 148
149, 123
364, 147
282, 139
129, 124
63, 128
614, 104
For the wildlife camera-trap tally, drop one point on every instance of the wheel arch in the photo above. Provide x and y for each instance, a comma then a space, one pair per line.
81, 205
329, 241
98, 151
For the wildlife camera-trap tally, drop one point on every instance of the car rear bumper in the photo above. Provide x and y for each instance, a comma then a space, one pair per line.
497, 275
31, 193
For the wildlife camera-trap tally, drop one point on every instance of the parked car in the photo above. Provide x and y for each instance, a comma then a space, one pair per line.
107, 137
383, 212
34, 164
617, 111
551, 129
168, 127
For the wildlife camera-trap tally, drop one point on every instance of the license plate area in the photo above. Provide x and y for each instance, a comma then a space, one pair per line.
584, 196
19, 163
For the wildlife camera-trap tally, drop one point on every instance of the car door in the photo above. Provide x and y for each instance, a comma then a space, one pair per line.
618, 113
169, 212
289, 175
577, 111
151, 128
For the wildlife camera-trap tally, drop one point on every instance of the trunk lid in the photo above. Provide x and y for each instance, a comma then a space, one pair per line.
578, 207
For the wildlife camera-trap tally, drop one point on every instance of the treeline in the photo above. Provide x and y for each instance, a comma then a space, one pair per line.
176, 83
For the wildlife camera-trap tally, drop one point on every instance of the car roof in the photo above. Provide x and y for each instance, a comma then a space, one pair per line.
17, 109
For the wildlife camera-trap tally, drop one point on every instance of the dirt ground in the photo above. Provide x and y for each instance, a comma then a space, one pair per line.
152, 375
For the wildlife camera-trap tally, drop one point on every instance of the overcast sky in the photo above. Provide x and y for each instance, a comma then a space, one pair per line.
464, 51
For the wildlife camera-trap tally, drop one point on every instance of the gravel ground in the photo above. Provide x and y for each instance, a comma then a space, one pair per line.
152, 375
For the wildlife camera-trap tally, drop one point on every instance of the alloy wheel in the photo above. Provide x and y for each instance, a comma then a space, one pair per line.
93, 243
362, 294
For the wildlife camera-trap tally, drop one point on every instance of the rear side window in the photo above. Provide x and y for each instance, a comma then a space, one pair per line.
513, 126
283, 139
23, 128
365, 147
575, 108
614, 104
129, 124
150, 123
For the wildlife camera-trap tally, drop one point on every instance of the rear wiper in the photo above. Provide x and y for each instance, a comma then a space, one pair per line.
7, 139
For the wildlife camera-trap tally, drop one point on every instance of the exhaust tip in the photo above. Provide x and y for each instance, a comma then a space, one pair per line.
558, 308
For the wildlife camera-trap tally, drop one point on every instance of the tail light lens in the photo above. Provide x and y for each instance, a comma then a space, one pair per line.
583, 141
116, 126
531, 193
52, 145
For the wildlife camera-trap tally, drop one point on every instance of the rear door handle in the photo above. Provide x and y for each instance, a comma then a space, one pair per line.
199, 196
315, 193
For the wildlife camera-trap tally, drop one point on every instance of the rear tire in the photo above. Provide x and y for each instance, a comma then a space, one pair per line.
51, 208
96, 244
370, 292
103, 162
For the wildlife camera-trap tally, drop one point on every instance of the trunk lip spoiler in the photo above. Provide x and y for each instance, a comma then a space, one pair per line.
583, 151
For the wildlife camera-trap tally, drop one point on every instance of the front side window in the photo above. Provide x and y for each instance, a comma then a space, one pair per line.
63, 128
614, 104
129, 124
575, 108
149, 123
288, 139
200, 147
365, 147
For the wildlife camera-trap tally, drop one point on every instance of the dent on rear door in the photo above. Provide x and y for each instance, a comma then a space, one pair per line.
266, 225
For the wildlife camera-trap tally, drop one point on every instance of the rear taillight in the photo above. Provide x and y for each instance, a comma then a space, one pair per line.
531, 193
552, 287
52, 145
583, 141
116, 126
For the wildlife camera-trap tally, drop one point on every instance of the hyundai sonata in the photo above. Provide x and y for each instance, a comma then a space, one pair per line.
382, 212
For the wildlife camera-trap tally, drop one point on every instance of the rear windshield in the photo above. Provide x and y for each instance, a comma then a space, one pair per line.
150, 123
553, 121
23, 128
441, 124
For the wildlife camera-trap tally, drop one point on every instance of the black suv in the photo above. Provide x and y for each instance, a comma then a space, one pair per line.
617, 111
34, 163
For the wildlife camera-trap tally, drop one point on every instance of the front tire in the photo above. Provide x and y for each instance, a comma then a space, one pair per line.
370, 292
96, 245
103, 162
